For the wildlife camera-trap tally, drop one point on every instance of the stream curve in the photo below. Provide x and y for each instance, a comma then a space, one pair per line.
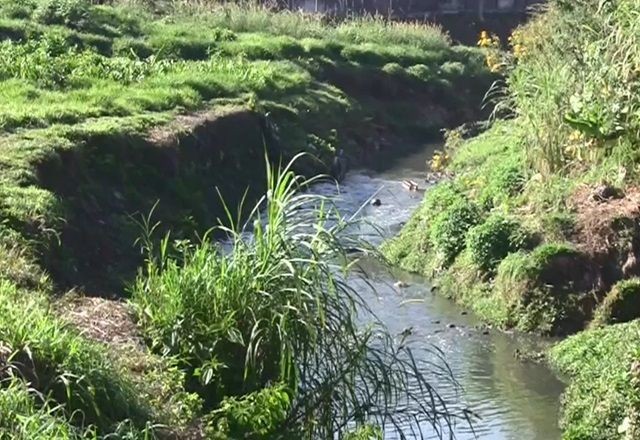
514, 399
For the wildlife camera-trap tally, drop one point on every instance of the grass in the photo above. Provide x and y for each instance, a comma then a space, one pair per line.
275, 308
564, 127
107, 111
75, 75
602, 365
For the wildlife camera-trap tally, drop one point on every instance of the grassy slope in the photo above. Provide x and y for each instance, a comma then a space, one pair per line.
573, 130
105, 110
97, 77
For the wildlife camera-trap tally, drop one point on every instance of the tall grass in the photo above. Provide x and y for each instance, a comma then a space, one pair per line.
574, 85
276, 308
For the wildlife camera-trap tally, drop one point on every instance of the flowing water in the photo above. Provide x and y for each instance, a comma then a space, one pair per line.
514, 399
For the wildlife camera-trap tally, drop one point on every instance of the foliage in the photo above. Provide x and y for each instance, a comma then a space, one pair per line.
278, 310
71, 13
491, 241
602, 365
564, 60
258, 415
449, 228
421, 71
620, 305
62, 366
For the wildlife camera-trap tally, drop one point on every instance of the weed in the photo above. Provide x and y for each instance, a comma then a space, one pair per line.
490, 242
277, 311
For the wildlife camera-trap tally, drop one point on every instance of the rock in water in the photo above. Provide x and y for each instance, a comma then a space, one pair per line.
376, 202
401, 285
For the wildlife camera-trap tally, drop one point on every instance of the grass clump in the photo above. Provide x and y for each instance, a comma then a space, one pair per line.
491, 241
65, 368
602, 399
278, 311
449, 228
620, 305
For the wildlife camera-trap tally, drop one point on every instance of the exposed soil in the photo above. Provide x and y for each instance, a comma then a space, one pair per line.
608, 229
602, 221
101, 320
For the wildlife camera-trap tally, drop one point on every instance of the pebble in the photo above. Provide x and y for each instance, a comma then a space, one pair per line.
463, 312
452, 325
485, 332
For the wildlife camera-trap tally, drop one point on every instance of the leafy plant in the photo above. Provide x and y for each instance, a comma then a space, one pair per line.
490, 242
258, 415
449, 228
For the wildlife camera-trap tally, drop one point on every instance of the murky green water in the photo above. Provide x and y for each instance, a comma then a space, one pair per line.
516, 400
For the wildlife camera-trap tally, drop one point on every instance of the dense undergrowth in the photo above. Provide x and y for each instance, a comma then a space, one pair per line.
108, 111
535, 226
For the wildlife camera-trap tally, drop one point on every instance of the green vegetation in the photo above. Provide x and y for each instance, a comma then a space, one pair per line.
602, 401
268, 333
109, 112
620, 305
558, 167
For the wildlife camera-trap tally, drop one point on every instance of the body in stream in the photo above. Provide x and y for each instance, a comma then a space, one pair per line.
514, 399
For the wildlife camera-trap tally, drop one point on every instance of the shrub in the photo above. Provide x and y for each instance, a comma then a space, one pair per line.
490, 242
448, 230
422, 72
258, 415
452, 70
622, 304
394, 69
72, 13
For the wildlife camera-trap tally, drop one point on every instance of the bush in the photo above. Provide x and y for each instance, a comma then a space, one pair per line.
490, 242
452, 70
72, 13
258, 415
622, 304
422, 72
394, 69
448, 230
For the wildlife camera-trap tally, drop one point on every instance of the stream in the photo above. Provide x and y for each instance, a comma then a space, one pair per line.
514, 399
